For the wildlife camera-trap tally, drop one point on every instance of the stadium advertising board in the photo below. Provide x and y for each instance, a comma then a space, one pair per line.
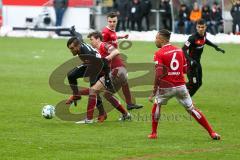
72, 3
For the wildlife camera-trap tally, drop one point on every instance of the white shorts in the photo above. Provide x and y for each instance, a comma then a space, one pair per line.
118, 77
180, 92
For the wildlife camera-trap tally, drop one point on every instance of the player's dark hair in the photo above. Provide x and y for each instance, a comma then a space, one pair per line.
201, 22
95, 35
73, 40
165, 33
112, 15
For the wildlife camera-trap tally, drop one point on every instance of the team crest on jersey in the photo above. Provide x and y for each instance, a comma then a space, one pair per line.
200, 41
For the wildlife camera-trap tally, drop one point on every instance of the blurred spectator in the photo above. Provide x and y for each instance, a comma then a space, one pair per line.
136, 15
121, 7
206, 15
235, 12
182, 24
146, 10
166, 15
60, 7
216, 19
195, 15
99, 1
128, 15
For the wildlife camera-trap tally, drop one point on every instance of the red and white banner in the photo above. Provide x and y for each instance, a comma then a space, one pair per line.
71, 3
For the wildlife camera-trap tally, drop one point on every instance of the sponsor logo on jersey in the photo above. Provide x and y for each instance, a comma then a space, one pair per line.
173, 73
200, 47
200, 41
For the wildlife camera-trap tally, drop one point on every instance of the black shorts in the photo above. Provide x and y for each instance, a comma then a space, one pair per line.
85, 71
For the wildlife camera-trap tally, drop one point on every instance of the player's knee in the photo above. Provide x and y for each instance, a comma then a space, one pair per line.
71, 77
190, 108
156, 117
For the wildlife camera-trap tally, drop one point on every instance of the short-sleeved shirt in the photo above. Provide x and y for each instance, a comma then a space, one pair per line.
170, 66
110, 36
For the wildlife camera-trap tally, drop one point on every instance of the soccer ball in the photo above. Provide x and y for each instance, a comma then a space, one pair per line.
48, 111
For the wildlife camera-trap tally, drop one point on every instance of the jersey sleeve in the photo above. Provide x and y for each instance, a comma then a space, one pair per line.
158, 71
186, 47
189, 42
184, 64
157, 59
210, 43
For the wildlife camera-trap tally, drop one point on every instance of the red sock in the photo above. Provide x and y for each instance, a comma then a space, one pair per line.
92, 100
155, 117
115, 103
84, 91
121, 109
127, 94
201, 119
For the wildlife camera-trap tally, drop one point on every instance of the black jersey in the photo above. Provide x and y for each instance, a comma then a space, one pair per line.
88, 53
96, 66
193, 47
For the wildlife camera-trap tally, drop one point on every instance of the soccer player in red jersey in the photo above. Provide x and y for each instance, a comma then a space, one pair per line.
110, 36
169, 82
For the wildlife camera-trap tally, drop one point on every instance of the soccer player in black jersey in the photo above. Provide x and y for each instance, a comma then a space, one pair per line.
93, 66
193, 49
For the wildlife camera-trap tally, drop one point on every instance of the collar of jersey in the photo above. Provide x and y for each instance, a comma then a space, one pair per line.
166, 45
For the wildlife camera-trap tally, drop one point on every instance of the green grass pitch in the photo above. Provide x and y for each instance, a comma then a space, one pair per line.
25, 67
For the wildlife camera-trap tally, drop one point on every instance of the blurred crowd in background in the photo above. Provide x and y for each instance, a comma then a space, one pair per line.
137, 15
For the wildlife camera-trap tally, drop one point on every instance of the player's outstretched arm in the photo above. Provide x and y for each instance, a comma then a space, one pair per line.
215, 46
220, 49
123, 36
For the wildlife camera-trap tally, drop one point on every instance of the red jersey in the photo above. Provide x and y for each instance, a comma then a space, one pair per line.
110, 36
105, 49
170, 66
